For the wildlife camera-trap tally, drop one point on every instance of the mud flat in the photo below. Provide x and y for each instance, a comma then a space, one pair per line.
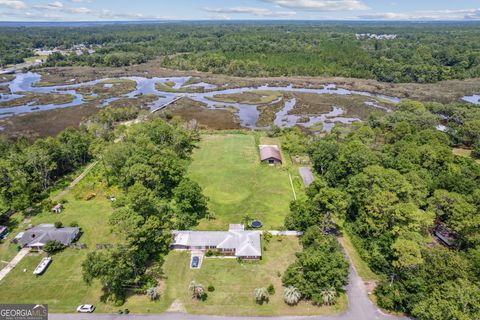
445, 91
46, 123
188, 109
38, 99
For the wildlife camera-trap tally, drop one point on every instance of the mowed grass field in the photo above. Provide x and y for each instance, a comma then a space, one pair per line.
234, 283
228, 169
62, 286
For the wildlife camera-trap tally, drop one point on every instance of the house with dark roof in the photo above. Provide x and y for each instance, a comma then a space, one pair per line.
35, 238
236, 242
270, 154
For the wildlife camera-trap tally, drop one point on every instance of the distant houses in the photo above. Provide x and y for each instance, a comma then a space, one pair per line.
36, 238
235, 242
270, 154
363, 36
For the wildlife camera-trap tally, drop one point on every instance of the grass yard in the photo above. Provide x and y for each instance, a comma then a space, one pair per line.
228, 169
234, 283
463, 153
62, 286
359, 264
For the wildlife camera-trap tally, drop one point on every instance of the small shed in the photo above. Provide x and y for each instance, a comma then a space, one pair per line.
270, 154
58, 208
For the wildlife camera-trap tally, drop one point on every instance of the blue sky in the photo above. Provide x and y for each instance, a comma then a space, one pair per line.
97, 10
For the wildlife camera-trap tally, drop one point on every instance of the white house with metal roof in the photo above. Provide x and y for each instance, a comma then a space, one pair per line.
236, 242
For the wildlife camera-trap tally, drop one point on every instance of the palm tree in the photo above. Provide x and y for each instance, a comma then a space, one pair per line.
261, 295
329, 296
246, 220
291, 296
152, 293
196, 289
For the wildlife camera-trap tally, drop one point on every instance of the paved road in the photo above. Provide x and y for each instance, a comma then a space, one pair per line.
12, 264
307, 175
360, 308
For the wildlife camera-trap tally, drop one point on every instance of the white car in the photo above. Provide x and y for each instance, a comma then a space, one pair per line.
86, 308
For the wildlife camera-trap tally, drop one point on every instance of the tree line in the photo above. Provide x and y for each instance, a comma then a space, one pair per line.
394, 180
422, 53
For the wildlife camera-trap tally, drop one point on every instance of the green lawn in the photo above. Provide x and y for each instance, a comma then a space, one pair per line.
234, 283
228, 169
359, 264
62, 286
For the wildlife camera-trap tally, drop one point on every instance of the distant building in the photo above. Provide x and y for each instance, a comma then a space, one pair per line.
35, 238
444, 235
270, 154
235, 242
364, 36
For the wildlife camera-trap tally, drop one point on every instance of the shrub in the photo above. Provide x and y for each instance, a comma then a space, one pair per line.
152, 293
261, 295
209, 253
53, 246
271, 289
291, 296
74, 224
211, 288
58, 224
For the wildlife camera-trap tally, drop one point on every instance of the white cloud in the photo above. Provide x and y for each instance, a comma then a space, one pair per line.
260, 12
110, 15
460, 14
56, 5
321, 5
13, 4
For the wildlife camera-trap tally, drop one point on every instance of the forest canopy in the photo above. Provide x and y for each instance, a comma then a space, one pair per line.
426, 52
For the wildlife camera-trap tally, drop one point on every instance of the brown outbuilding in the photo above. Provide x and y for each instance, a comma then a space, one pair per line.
270, 154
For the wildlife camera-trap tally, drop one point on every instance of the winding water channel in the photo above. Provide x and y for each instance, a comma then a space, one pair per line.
248, 114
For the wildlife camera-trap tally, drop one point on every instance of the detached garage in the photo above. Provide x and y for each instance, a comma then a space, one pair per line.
270, 154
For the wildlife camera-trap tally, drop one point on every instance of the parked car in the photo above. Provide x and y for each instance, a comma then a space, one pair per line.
85, 308
195, 261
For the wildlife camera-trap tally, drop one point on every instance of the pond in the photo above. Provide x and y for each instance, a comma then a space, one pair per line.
248, 114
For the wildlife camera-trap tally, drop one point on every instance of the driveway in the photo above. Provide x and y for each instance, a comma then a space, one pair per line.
307, 175
359, 308
22, 253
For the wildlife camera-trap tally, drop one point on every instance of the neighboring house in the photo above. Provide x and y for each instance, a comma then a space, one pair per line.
234, 242
270, 154
35, 238
444, 234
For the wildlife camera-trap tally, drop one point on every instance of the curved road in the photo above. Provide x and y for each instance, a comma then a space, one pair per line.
360, 308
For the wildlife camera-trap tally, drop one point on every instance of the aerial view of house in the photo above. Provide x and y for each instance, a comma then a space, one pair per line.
236, 242
205, 159
36, 237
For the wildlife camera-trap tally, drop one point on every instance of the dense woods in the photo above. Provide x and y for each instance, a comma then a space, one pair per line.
393, 181
149, 165
426, 52
27, 171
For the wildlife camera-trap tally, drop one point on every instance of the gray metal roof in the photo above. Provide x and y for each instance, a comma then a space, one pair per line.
245, 243
43, 233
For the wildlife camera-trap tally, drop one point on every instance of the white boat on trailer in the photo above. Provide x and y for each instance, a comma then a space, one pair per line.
42, 266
